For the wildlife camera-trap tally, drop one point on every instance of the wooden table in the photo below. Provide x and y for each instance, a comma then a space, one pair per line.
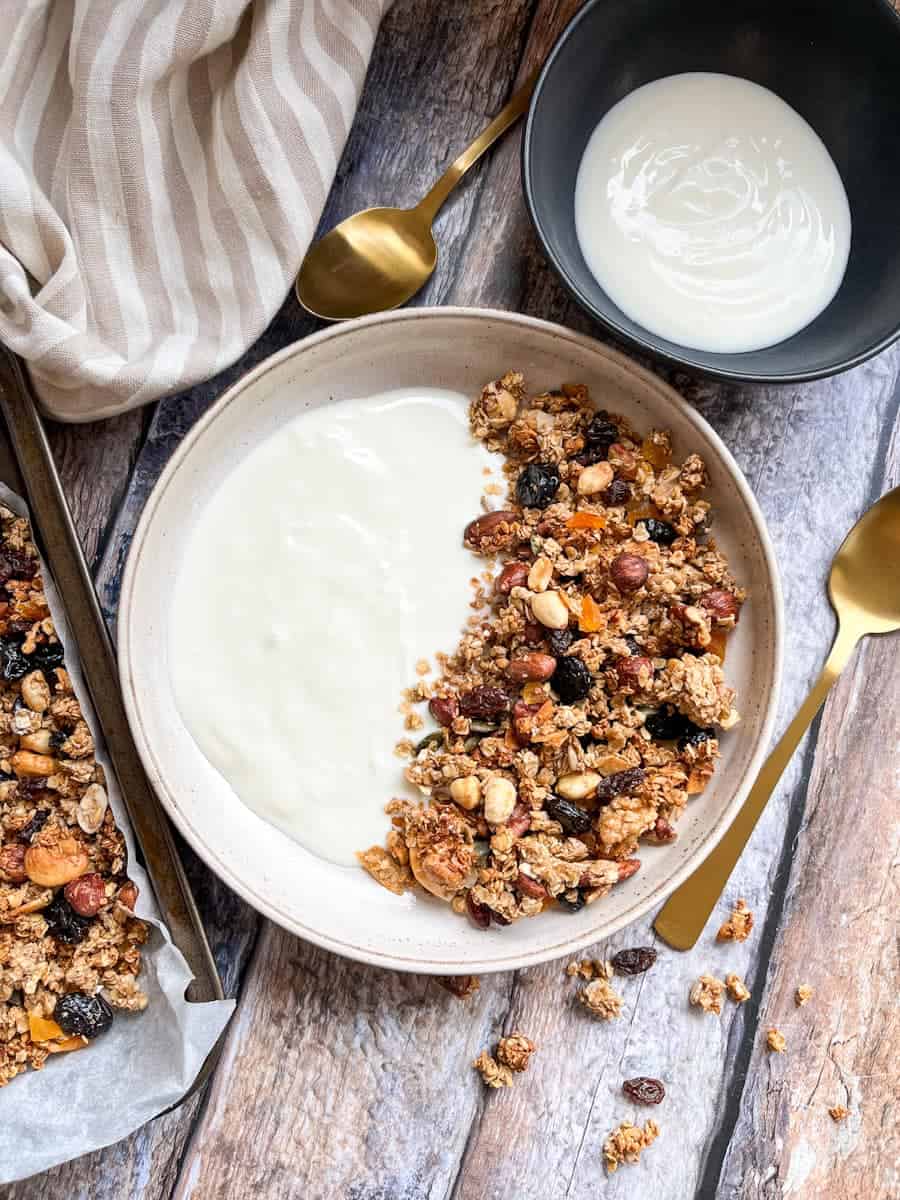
341, 1081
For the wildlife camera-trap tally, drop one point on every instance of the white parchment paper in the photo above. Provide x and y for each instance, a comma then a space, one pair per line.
90, 1098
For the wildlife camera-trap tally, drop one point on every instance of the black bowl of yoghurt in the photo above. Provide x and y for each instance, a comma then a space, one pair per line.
700, 218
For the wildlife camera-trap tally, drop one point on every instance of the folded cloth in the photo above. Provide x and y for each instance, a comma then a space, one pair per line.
162, 170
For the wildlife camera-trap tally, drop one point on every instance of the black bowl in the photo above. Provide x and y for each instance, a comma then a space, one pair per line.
837, 64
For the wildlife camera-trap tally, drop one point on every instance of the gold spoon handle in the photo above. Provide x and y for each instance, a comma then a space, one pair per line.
507, 116
682, 918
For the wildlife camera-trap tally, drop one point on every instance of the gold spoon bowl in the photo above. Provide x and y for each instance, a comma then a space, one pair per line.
380, 257
864, 588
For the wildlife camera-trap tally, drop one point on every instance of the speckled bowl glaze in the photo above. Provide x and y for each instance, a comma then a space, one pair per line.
342, 909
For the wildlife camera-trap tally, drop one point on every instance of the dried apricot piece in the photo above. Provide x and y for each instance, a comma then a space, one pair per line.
586, 520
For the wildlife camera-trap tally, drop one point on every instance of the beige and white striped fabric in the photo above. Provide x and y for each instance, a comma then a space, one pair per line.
163, 165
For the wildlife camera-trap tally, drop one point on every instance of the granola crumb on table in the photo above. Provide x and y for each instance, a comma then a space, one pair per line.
776, 1041
838, 1112
737, 989
738, 926
599, 998
461, 986
515, 1051
803, 995
581, 709
707, 993
67, 927
493, 1073
625, 1143
590, 968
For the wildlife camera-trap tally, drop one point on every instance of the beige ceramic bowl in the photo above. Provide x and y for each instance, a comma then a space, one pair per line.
341, 908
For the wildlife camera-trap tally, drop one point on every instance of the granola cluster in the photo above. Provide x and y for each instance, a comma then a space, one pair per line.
512, 1057
69, 942
582, 707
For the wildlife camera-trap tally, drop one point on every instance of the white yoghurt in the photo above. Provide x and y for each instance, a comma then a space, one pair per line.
322, 570
711, 213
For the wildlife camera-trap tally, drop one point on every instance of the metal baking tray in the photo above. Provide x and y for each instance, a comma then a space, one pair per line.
27, 466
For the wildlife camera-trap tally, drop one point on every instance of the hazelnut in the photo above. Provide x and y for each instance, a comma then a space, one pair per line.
12, 863
444, 709
594, 479
531, 667
540, 574
722, 606
466, 792
499, 799
550, 610
87, 894
52, 866
514, 574
628, 572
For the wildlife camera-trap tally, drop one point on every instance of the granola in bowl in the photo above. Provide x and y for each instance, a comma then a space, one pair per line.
583, 705
69, 941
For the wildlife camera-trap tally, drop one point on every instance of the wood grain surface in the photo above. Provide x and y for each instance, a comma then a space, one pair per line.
342, 1082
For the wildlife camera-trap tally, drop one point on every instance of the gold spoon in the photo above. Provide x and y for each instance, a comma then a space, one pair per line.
864, 587
379, 258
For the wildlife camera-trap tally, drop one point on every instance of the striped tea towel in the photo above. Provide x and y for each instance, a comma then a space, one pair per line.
163, 166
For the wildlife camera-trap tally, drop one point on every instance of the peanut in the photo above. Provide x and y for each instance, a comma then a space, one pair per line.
550, 609
540, 574
35, 692
26, 764
577, 785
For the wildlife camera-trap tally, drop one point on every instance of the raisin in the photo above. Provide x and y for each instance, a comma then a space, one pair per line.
631, 642
558, 641
667, 724
14, 564
571, 680
58, 739
80, 1015
570, 904
619, 782
31, 787
47, 656
484, 701
498, 918
572, 817
35, 825
695, 737
601, 433
634, 961
644, 1090
537, 485
13, 663
660, 532
616, 494
66, 925
479, 913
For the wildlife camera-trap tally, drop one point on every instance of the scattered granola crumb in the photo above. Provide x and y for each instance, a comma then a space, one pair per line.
462, 986
412, 722
838, 1112
590, 968
803, 994
737, 989
626, 1143
405, 748
494, 1074
600, 1000
707, 994
776, 1040
423, 667
738, 926
515, 1051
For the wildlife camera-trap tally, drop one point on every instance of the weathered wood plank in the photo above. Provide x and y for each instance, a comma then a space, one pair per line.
839, 935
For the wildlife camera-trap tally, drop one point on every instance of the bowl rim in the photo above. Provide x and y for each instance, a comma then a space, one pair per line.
682, 360
391, 960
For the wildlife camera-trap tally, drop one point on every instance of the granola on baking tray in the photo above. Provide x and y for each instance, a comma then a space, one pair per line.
69, 941
582, 707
